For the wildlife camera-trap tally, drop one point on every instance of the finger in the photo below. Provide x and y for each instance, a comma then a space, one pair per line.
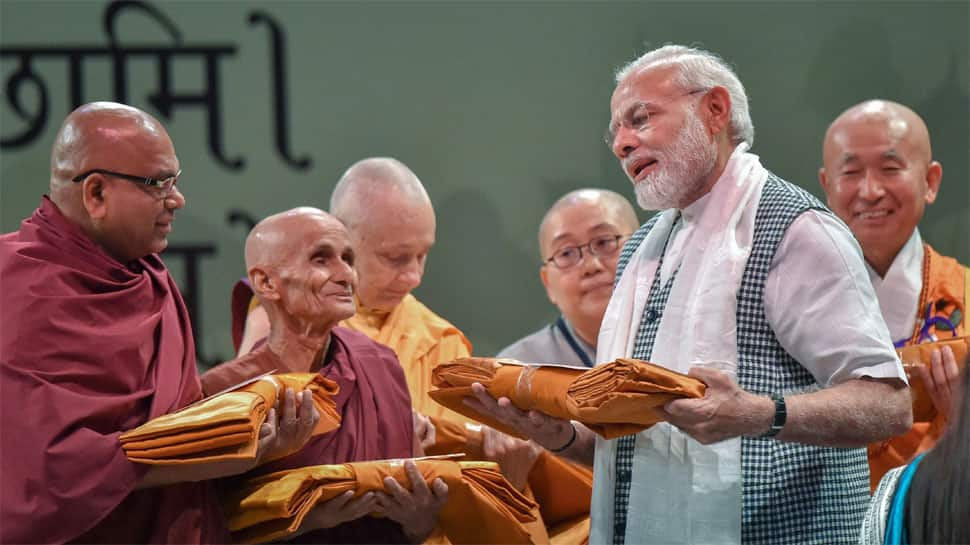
308, 411
269, 425
418, 485
952, 371
289, 407
394, 489
362, 506
340, 501
709, 376
440, 489
941, 386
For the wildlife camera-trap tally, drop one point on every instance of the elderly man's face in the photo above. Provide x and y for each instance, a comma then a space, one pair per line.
392, 250
582, 291
316, 277
136, 219
664, 147
878, 180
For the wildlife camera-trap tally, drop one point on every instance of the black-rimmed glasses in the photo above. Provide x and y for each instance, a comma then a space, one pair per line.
570, 256
165, 185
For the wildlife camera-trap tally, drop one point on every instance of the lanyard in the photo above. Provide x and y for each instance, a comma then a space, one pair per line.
928, 322
561, 325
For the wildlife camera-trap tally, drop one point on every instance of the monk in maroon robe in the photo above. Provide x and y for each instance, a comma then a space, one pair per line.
300, 266
96, 341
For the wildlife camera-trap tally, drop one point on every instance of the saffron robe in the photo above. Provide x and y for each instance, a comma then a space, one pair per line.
375, 411
946, 287
91, 347
421, 339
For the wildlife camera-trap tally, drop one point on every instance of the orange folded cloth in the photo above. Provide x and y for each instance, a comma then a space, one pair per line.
562, 489
482, 507
225, 426
613, 399
919, 354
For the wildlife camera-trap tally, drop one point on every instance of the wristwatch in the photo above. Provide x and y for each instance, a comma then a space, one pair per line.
781, 415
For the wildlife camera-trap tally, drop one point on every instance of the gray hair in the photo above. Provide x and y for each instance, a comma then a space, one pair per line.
701, 69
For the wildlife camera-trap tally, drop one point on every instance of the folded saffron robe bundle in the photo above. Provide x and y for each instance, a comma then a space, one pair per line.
613, 399
482, 507
562, 489
225, 426
919, 354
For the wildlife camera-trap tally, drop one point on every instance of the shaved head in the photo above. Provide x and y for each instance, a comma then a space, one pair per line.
300, 266
92, 133
392, 227
590, 224
109, 148
898, 122
610, 204
374, 187
878, 174
272, 238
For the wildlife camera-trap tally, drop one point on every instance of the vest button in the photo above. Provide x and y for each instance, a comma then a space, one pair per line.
623, 475
652, 315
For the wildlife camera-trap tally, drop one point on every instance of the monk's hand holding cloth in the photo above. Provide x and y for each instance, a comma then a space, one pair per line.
548, 431
289, 425
415, 510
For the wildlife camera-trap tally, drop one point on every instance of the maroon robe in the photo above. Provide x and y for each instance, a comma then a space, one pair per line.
375, 408
90, 348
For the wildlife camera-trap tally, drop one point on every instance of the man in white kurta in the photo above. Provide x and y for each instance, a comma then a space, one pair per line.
749, 284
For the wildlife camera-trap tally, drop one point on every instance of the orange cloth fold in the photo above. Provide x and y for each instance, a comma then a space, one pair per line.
482, 507
613, 399
919, 354
562, 489
225, 426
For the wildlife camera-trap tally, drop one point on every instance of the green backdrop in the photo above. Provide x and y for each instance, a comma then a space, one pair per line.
498, 107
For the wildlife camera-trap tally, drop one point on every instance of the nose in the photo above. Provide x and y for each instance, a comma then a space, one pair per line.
871, 188
175, 199
591, 263
624, 142
411, 275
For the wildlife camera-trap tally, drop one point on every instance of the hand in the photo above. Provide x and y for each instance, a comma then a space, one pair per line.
287, 428
724, 412
515, 457
424, 432
343, 508
546, 430
416, 511
942, 381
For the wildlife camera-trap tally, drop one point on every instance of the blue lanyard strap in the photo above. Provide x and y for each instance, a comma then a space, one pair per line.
561, 326
928, 322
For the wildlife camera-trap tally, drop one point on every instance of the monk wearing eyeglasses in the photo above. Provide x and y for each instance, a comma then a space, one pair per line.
96, 340
580, 238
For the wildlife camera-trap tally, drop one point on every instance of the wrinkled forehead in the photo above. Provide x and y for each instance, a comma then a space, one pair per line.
576, 221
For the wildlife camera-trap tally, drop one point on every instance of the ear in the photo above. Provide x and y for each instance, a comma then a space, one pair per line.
93, 191
544, 276
263, 284
934, 175
716, 106
823, 180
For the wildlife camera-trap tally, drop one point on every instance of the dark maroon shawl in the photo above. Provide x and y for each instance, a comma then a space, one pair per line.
375, 408
89, 348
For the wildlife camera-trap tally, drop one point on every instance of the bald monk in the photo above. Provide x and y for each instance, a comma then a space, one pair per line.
392, 228
879, 175
580, 238
96, 341
300, 266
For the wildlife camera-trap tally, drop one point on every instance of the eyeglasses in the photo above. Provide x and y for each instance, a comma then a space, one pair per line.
604, 246
637, 117
165, 185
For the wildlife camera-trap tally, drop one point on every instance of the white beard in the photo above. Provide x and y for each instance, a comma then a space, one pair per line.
684, 166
